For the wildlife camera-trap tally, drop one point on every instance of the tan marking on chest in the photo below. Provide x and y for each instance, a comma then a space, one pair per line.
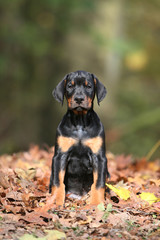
65, 143
93, 143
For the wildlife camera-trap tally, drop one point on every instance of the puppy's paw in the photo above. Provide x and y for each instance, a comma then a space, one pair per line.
97, 195
59, 194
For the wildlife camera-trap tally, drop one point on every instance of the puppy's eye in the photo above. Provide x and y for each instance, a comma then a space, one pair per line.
88, 86
70, 85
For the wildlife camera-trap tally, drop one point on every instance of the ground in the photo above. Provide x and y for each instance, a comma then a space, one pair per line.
27, 211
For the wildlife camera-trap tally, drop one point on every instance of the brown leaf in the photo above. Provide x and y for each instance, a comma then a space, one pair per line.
24, 199
118, 219
14, 209
36, 218
4, 180
50, 203
95, 224
28, 174
123, 161
65, 222
86, 221
16, 196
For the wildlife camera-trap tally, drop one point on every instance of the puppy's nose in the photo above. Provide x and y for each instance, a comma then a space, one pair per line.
79, 99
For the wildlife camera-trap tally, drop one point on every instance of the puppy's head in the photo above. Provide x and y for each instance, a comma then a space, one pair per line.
79, 88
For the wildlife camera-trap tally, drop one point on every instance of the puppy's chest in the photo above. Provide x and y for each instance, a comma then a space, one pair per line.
80, 138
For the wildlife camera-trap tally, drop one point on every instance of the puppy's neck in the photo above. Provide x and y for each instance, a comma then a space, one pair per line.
80, 118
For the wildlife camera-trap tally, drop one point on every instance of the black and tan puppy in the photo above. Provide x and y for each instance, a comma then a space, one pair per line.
79, 163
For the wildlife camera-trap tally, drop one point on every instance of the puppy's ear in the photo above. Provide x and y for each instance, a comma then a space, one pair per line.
59, 91
100, 89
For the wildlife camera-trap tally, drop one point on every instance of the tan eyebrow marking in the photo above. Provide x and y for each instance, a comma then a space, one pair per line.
93, 143
65, 143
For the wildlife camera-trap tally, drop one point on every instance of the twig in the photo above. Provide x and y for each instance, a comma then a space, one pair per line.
153, 149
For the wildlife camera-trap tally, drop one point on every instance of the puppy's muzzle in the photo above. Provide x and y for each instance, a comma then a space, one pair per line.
79, 99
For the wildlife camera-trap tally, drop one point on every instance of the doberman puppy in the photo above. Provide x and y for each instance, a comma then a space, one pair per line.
79, 163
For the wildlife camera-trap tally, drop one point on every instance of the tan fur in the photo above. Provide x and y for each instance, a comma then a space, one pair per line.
93, 143
65, 143
80, 113
59, 192
89, 100
69, 102
97, 195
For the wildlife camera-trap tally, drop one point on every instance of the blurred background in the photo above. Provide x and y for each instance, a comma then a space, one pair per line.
117, 40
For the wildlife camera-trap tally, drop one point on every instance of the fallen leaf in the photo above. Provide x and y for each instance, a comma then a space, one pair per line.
27, 207
31, 237
4, 180
138, 180
149, 197
154, 166
16, 196
121, 192
123, 161
36, 217
118, 219
88, 220
28, 174
95, 224
155, 181
55, 235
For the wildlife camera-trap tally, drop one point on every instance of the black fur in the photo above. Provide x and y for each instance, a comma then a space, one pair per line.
80, 123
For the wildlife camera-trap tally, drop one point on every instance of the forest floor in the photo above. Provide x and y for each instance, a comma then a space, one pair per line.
27, 212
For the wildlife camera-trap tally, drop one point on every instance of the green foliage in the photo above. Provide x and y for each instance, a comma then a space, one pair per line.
43, 40
106, 210
33, 35
131, 224
101, 207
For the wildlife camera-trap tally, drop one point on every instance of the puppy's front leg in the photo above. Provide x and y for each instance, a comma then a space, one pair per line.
100, 173
57, 187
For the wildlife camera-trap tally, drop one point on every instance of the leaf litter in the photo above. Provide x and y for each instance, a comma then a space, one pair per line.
27, 211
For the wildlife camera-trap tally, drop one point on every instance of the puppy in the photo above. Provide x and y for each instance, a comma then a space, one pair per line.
79, 163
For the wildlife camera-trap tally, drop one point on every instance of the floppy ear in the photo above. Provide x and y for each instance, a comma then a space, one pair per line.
100, 89
59, 91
